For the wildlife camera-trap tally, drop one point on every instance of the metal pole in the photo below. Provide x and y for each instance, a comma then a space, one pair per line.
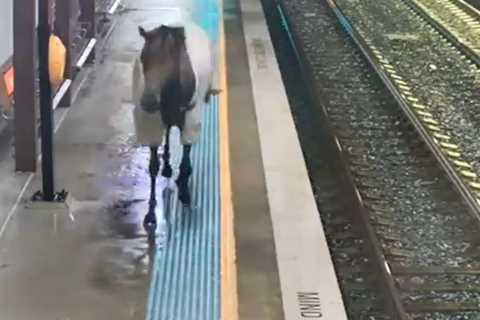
46, 111
24, 61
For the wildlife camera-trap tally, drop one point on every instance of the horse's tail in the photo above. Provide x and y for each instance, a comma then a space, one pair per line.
211, 92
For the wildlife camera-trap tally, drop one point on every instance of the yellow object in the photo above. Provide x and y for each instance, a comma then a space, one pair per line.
229, 287
56, 61
6, 91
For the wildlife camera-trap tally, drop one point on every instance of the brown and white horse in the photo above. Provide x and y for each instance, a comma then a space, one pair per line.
172, 81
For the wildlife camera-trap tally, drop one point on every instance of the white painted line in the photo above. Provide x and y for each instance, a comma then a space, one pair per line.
307, 276
61, 92
16, 204
114, 7
86, 53
64, 115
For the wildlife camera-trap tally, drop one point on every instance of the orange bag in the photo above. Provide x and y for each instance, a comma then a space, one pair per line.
56, 61
6, 91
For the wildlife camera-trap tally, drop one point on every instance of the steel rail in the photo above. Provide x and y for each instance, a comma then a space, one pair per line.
465, 48
471, 10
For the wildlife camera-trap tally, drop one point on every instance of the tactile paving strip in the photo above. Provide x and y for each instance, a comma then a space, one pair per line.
185, 280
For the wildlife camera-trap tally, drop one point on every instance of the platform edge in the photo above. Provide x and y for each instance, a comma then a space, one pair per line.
304, 261
228, 272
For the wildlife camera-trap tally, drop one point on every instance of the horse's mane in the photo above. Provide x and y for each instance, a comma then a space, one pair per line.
178, 33
179, 88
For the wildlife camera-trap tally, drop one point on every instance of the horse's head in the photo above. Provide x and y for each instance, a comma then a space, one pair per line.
160, 59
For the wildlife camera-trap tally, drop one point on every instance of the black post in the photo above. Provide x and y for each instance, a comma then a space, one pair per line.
46, 111
24, 61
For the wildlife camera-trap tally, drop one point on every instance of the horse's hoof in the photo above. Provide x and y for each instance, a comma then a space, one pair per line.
184, 197
150, 223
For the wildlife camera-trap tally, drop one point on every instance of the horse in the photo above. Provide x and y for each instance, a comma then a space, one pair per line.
172, 82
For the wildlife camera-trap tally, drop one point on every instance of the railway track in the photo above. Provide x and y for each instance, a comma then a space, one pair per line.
474, 3
456, 20
345, 239
394, 220
435, 83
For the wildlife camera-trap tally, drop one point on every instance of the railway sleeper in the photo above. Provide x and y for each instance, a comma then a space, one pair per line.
443, 307
433, 270
398, 252
445, 287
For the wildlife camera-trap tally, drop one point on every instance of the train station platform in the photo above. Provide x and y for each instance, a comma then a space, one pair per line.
251, 247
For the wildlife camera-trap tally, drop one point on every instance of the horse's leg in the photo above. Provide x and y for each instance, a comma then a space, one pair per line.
150, 221
185, 172
190, 134
167, 171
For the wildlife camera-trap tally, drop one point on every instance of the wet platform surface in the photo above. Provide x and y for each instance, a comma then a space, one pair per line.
95, 262
82, 266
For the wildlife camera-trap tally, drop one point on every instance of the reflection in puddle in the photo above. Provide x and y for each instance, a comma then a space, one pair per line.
112, 252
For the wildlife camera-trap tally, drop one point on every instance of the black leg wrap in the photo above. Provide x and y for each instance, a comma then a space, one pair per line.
185, 172
184, 194
167, 171
150, 220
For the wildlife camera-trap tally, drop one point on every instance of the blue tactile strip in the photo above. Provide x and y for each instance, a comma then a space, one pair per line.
185, 282
206, 15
